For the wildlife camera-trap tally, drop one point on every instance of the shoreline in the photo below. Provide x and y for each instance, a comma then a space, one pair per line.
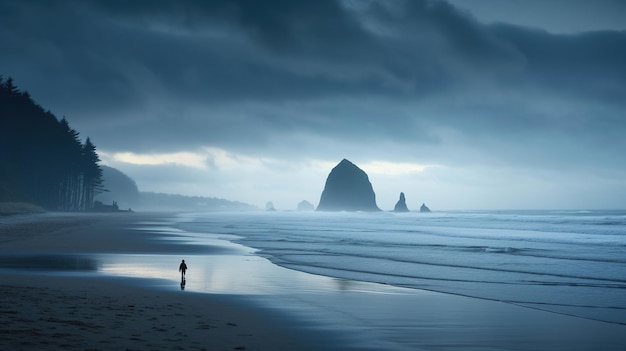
271, 307
53, 310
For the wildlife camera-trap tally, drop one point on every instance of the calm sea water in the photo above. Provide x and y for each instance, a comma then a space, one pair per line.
569, 262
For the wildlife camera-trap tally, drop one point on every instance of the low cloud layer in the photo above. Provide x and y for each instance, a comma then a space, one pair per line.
299, 82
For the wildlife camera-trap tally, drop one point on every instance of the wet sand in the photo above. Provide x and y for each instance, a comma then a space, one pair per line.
53, 313
43, 311
110, 285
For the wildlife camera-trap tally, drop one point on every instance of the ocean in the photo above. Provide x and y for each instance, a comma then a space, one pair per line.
567, 262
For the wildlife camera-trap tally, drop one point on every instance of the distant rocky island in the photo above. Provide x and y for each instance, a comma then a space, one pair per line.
347, 188
424, 208
304, 206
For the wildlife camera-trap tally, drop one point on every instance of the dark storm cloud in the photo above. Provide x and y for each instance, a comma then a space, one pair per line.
174, 74
223, 49
587, 64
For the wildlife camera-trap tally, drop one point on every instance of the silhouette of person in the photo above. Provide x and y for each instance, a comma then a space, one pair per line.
182, 269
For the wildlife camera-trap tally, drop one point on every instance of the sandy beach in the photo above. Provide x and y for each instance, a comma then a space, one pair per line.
52, 312
93, 314
110, 282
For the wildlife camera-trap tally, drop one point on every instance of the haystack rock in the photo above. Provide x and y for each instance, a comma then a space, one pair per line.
269, 206
347, 188
424, 208
305, 206
401, 205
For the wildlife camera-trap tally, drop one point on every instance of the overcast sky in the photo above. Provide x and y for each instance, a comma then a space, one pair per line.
465, 104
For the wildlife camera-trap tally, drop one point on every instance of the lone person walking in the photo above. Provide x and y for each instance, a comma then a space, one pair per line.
182, 269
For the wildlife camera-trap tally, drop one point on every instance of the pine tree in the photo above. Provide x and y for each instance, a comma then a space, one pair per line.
70, 185
92, 174
42, 159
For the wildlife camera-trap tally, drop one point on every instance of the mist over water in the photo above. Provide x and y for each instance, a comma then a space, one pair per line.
570, 262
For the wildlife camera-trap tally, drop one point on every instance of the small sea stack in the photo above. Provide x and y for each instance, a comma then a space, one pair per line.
401, 204
305, 206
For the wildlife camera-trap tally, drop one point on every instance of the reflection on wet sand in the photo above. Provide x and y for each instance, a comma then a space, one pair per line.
207, 273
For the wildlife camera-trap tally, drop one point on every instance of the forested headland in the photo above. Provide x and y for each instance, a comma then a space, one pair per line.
42, 159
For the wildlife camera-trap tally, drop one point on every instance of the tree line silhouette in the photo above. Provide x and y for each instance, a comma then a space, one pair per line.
42, 159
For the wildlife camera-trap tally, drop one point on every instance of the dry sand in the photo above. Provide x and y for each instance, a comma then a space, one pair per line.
52, 312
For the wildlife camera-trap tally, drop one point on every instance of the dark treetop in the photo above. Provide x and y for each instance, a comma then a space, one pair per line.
42, 159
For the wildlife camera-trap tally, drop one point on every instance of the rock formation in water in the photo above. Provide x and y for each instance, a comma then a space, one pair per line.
269, 206
424, 208
401, 205
305, 206
347, 189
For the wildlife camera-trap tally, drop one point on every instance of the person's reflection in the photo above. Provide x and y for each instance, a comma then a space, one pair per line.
182, 283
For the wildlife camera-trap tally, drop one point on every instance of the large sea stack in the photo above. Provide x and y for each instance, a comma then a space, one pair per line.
347, 189
401, 204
